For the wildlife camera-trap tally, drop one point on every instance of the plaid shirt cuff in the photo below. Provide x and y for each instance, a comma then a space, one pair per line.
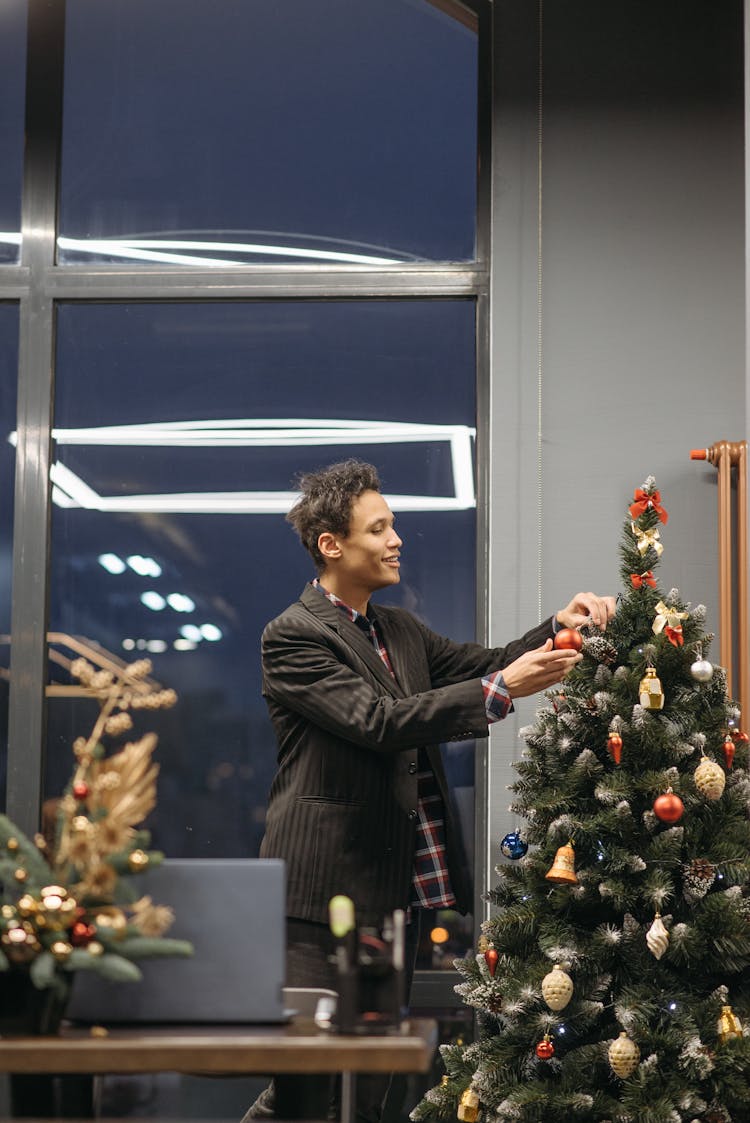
497, 700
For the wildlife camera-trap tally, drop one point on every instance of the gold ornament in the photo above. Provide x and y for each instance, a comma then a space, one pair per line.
138, 860
468, 1106
646, 539
27, 905
12, 845
557, 988
444, 1080
657, 937
624, 1056
563, 871
483, 944
94, 948
21, 875
650, 693
710, 779
728, 1026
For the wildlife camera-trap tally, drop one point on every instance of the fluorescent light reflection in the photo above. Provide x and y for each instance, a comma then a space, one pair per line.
69, 490
112, 563
163, 250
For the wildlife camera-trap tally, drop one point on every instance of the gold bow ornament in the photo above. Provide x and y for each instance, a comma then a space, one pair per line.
646, 539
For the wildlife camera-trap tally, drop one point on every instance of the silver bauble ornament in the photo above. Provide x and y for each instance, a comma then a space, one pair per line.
702, 670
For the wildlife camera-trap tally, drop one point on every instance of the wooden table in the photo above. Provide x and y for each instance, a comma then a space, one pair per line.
226, 1050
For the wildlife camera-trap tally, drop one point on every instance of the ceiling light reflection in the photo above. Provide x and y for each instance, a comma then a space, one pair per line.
191, 632
180, 602
211, 632
112, 563
153, 600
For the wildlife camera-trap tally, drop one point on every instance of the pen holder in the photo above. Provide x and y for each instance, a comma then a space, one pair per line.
370, 986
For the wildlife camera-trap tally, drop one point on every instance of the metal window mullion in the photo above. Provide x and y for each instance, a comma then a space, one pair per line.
28, 661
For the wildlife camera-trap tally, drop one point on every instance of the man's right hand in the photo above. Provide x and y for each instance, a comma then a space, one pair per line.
538, 670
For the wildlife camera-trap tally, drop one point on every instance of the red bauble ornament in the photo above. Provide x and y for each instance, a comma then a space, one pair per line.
668, 807
82, 934
729, 750
741, 738
81, 789
614, 744
568, 639
545, 1049
490, 958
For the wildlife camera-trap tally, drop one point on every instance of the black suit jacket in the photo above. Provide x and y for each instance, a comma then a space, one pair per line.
342, 808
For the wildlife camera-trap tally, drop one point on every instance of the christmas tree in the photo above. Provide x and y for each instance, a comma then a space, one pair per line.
612, 983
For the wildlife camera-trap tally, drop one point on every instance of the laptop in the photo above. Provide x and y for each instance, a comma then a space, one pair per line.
232, 911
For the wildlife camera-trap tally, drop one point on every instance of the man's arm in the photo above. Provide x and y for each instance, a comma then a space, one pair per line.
309, 676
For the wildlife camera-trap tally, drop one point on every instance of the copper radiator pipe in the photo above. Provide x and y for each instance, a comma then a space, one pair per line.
725, 456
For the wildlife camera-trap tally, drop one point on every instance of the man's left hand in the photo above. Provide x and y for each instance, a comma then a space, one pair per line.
587, 608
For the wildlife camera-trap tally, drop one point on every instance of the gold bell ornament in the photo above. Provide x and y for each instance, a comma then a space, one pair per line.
728, 1025
468, 1106
557, 988
624, 1056
710, 779
562, 871
650, 693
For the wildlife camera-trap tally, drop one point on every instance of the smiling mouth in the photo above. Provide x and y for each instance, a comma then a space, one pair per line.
392, 561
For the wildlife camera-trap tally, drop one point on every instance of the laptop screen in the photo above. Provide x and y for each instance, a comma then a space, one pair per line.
232, 911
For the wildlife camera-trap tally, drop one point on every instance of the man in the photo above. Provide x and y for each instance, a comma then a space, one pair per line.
360, 698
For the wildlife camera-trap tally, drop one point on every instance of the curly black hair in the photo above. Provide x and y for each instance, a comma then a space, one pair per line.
326, 502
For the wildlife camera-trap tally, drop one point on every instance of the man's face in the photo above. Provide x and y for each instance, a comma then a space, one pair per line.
370, 552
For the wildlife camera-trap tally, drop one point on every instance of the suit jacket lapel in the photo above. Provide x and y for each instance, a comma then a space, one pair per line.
397, 648
335, 618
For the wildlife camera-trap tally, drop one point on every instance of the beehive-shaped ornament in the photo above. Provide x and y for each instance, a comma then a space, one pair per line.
624, 1056
562, 871
710, 779
557, 988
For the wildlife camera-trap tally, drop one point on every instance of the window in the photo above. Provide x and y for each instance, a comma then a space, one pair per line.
270, 131
12, 78
168, 535
8, 368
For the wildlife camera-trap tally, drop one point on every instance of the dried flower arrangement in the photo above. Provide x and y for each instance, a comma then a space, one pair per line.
68, 904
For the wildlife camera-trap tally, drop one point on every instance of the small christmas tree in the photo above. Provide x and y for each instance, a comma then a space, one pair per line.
613, 982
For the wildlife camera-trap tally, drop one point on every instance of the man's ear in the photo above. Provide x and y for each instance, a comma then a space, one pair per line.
328, 545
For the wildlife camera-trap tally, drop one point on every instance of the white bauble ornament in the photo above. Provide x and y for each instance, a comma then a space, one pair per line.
557, 988
623, 1055
657, 937
710, 779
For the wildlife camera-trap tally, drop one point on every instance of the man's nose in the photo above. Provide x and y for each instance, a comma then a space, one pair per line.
394, 540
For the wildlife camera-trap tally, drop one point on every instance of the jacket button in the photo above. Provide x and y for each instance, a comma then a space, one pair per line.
413, 767
413, 814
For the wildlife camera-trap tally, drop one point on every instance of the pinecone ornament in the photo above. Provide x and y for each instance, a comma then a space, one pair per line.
600, 649
697, 878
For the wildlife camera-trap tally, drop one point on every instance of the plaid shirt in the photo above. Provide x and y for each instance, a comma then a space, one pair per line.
431, 887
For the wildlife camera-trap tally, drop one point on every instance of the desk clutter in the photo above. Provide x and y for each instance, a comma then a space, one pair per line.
369, 966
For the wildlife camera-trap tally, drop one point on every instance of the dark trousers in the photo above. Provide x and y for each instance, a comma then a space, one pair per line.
310, 948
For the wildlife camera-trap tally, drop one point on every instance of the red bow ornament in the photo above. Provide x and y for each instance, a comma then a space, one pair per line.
644, 502
647, 578
674, 635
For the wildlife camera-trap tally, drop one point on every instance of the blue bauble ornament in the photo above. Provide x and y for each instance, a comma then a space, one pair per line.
513, 846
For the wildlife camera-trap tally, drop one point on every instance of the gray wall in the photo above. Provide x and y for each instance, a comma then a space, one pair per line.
641, 354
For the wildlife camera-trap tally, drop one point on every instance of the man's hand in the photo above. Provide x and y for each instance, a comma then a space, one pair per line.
587, 608
538, 669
